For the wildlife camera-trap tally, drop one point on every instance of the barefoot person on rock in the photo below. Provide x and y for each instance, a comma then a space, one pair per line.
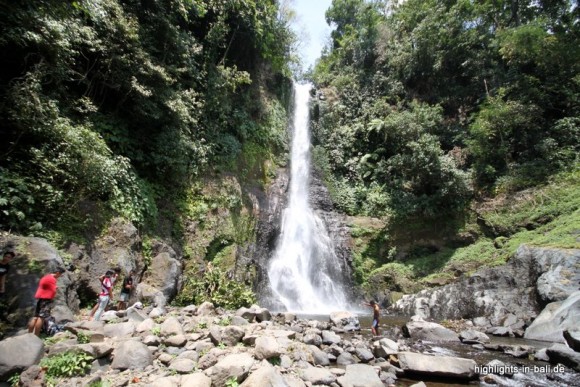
376, 314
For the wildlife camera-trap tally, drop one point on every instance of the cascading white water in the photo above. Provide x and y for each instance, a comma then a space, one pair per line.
305, 272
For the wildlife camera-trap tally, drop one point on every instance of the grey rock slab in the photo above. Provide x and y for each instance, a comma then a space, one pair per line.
235, 366
329, 338
131, 355
472, 336
364, 354
197, 379
445, 366
560, 353
171, 327
345, 358
175, 341
555, 319
317, 375
266, 348
264, 376
345, 320
429, 331
182, 365
125, 329
13, 359
360, 375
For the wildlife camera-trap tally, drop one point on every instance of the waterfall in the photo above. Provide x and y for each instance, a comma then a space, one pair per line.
305, 273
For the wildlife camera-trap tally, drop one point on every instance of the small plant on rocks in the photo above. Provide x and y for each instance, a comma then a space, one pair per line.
232, 382
67, 364
83, 338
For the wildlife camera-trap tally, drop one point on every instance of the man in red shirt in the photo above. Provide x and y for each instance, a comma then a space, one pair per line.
44, 294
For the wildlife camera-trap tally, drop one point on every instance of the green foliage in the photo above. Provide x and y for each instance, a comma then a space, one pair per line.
14, 380
225, 321
156, 330
83, 338
232, 382
67, 364
531, 209
215, 286
107, 102
423, 93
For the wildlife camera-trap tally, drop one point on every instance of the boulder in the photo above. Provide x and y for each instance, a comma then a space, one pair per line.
206, 309
263, 314
182, 366
319, 357
312, 339
125, 329
236, 366
438, 366
266, 348
135, 315
429, 331
265, 376
230, 335
385, 347
164, 274
151, 295
35, 258
471, 336
345, 320
555, 319
360, 375
175, 341
13, 359
132, 354
198, 379
534, 276
364, 354
329, 338
572, 338
171, 327
316, 375
345, 358
247, 314
561, 354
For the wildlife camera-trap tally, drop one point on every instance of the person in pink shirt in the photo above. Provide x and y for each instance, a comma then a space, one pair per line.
45, 295
105, 294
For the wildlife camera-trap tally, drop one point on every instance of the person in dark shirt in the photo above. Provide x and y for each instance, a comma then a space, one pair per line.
126, 291
4, 269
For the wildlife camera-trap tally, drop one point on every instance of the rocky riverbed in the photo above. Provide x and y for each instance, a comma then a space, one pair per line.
205, 346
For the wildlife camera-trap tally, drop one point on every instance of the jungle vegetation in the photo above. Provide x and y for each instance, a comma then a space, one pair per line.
116, 107
426, 110
447, 119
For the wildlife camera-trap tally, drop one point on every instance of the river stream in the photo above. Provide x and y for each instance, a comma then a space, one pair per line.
529, 372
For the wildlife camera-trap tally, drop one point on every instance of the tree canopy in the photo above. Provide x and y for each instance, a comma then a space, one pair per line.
116, 103
429, 102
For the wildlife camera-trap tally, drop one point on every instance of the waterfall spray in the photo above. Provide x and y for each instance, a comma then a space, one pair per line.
305, 273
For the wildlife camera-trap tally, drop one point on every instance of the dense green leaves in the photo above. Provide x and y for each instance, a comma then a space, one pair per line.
448, 95
119, 102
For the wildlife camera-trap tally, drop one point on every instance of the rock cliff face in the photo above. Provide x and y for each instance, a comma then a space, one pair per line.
511, 295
